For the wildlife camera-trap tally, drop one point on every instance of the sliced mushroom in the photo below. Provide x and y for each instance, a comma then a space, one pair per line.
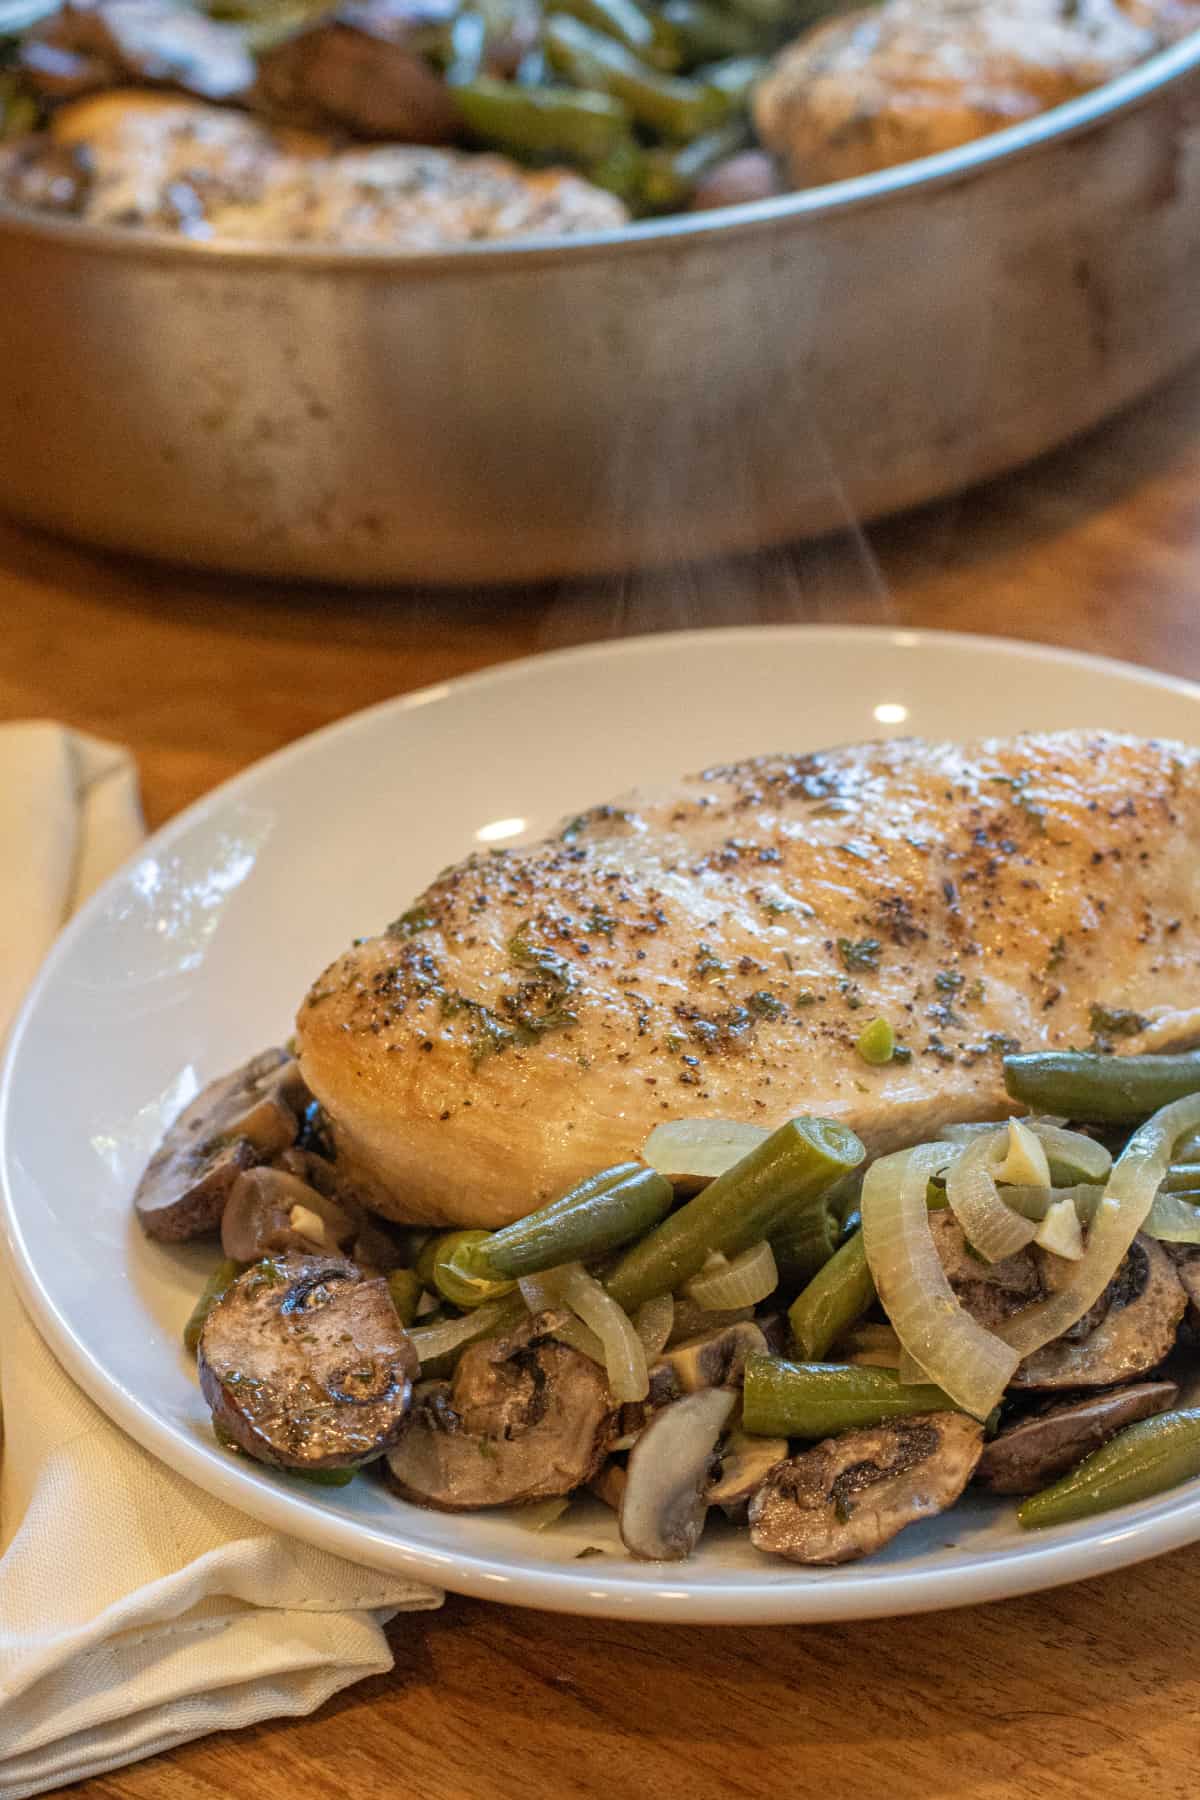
306, 1365
609, 1484
1144, 1304
665, 1501
363, 68
523, 1418
234, 1123
1035, 1451
717, 1359
851, 1495
268, 1211
86, 45
1186, 1258
637, 1414
991, 1292
745, 1464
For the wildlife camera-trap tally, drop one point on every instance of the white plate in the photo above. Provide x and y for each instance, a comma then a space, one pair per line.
196, 954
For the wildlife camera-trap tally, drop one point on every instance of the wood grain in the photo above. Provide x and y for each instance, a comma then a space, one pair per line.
1091, 1689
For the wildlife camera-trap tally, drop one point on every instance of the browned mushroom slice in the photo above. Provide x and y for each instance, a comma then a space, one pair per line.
851, 1495
87, 45
716, 1360
1035, 1451
635, 1415
1186, 1258
1145, 1303
523, 1418
745, 1463
268, 1211
665, 1498
362, 68
991, 1292
306, 1365
233, 1123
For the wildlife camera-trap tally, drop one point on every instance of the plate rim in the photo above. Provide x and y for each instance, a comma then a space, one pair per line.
791, 1596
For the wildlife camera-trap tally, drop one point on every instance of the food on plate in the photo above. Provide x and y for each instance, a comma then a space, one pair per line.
615, 108
820, 1294
717, 949
306, 1365
891, 83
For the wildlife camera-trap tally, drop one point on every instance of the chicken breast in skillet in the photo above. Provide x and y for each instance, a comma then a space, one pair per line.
210, 172
912, 77
717, 948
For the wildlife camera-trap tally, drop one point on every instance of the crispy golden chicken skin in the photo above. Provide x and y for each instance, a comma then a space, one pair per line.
716, 950
911, 77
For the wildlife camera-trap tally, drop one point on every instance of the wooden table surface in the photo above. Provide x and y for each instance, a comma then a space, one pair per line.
1091, 1690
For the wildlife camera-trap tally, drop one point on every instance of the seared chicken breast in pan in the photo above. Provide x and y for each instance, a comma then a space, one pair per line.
911, 77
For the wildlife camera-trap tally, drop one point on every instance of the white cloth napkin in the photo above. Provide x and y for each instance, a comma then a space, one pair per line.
135, 1612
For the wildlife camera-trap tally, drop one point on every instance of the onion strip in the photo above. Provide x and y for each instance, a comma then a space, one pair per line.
1174, 1218
624, 1356
745, 1281
991, 1227
654, 1323
1122, 1211
698, 1150
972, 1365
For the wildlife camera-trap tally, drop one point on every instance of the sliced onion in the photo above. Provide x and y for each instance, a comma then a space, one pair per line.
578, 1336
991, 1227
1060, 1233
745, 1281
1035, 1202
1122, 1211
654, 1322
442, 1339
700, 1149
971, 1364
1072, 1151
624, 1357
909, 1372
1174, 1219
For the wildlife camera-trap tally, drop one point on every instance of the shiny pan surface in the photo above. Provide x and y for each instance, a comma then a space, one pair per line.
677, 389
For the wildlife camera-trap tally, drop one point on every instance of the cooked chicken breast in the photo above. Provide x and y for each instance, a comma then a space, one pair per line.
911, 77
210, 172
717, 949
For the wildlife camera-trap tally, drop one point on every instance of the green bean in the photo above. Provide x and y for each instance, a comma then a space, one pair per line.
837, 1295
552, 121
818, 1400
457, 1278
668, 176
706, 32
765, 13
602, 1213
799, 1162
804, 1243
1079, 1084
621, 172
677, 108
405, 1287
214, 1289
1182, 1178
648, 35
1143, 1460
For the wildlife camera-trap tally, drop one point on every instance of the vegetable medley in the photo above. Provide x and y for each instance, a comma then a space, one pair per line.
823, 1346
644, 98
